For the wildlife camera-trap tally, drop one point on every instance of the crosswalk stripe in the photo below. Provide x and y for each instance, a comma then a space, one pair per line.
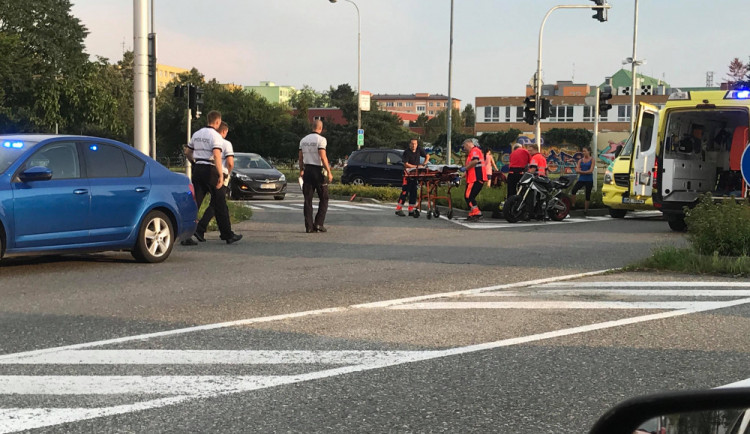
616, 284
639, 292
677, 305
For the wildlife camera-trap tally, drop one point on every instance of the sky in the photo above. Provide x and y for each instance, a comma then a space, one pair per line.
405, 43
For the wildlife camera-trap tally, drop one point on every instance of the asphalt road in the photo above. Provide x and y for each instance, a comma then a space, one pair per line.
287, 331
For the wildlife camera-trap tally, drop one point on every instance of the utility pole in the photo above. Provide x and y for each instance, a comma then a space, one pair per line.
633, 70
155, 81
448, 130
140, 76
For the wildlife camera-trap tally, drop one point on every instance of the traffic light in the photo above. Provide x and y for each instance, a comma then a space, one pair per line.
544, 108
529, 110
601, 13
605, 94
179, 91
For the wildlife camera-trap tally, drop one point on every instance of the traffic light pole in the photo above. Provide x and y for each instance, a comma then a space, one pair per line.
188, 166
538, 90
594, 145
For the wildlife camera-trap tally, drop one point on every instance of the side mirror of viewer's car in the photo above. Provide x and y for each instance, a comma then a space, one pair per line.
724, 410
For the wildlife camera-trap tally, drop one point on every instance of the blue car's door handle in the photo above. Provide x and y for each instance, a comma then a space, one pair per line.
141, 189
80, 191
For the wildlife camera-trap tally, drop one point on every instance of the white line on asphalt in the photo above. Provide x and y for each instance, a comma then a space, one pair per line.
491, 225
743, 383
206, 357
22, 419
272, 206
639, 292
616, 284
347, 206
560, 305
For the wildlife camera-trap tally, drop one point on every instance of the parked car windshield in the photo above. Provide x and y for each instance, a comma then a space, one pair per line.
10, 150
250, 162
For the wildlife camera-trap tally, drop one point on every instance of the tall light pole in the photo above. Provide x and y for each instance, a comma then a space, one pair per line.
634, 63
359, 63
140, 75
449, 128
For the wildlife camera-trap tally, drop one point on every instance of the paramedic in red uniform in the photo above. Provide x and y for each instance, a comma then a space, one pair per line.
475, 176
411, 159
538, 163
519, 161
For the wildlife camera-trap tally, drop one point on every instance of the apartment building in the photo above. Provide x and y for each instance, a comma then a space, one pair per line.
273, 93
418, 103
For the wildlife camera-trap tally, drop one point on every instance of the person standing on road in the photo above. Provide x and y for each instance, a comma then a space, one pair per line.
585, 170
538, 163
412, 157
316, 174
227, 158
205, 148
519, 162
489, 164
475, 177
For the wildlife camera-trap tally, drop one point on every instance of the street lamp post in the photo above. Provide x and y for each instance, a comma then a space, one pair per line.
359, 63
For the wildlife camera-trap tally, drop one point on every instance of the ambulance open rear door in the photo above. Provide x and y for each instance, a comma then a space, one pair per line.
644, 153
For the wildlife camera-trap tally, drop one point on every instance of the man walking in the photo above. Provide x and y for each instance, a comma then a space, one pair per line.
411, 160
227, 158
205, 148
316, 174
475, 177
538, 163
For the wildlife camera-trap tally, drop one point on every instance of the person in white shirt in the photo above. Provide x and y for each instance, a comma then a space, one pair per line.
227, 158
205, 149
312, 163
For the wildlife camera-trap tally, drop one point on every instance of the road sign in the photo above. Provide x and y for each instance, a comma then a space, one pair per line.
360, 138
745, 165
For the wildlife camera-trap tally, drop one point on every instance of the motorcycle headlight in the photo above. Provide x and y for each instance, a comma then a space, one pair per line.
608, 178
283, 178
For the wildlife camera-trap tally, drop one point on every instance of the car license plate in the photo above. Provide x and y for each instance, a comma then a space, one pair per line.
633, 201
268, 186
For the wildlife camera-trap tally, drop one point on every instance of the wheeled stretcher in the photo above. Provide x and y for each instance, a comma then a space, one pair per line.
430, 178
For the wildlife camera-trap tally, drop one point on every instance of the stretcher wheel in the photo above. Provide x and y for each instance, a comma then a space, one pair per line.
436, 213
429, 215
450, 215
416, 213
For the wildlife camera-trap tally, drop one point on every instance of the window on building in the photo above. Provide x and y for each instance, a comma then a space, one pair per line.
588, 113
432, 104
389, 104
561, 113
492, 114
421, 108
319, 118
623, 113
507, 114
519, 114
399, 104
409, 104
432, 112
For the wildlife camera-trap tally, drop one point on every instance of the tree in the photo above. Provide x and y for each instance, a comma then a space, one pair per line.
439, 124
737, 71
344, 98
468, 116
500, 141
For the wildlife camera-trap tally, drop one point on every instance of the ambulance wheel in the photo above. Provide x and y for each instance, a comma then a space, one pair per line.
450, 215
416, 213
677, 224
617, 213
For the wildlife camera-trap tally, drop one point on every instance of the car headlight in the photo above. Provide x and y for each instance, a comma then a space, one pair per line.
283, 178
244, 177
608, 177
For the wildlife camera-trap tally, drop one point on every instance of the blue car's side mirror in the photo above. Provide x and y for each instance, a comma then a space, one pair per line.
36, 173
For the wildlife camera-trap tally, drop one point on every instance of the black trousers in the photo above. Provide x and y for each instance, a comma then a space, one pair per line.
209, 213
513, 178
314, 182
471, 192
205, 178
409, 187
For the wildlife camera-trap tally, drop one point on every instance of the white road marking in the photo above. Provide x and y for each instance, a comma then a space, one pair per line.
491, 223
743, 383
203, 357
16, 419
272, 206
616, 284
533, 305
638, 292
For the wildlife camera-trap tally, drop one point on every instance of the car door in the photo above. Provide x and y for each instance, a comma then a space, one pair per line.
52, 212
120, 188
394, 171
375, 171
644, 153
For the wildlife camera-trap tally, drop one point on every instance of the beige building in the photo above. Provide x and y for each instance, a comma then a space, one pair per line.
417, 103
166, 73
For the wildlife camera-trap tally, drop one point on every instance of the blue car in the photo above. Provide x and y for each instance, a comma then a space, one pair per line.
64, 194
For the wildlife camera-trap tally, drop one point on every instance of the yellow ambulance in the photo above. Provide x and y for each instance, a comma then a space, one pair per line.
693, 146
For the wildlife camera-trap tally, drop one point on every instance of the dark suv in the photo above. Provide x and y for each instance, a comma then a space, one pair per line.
374, 167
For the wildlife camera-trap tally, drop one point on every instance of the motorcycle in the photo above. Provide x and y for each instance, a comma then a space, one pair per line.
539, 197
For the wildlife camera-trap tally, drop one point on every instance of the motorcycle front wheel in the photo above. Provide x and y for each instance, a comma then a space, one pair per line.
514, 209
560, 208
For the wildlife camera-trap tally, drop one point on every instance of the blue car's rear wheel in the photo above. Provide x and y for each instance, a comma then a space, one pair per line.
155, 238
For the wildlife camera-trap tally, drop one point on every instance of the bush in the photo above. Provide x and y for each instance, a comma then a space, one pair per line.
671, 258
719, 228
